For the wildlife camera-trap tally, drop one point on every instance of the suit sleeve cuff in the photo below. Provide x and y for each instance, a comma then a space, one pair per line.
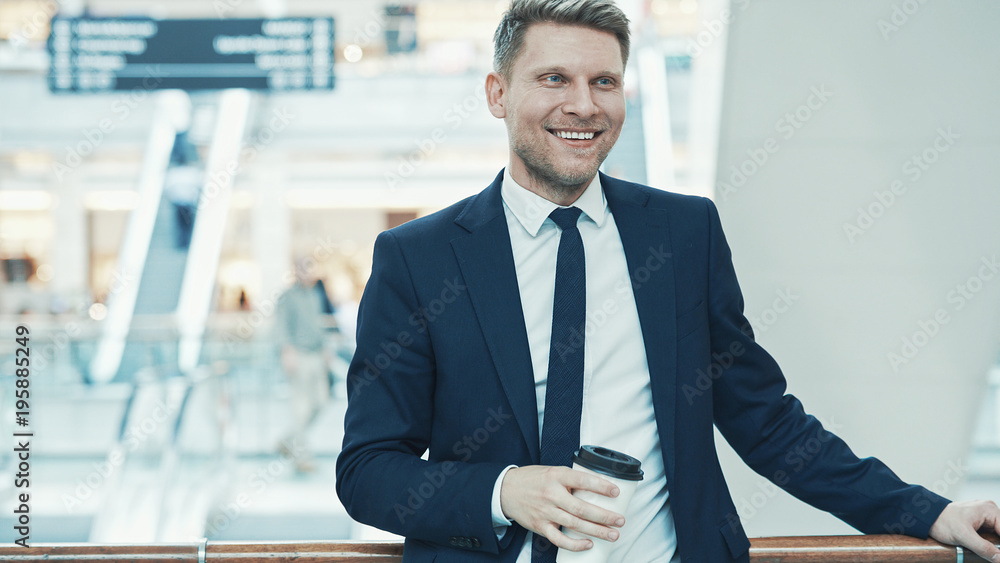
500, 522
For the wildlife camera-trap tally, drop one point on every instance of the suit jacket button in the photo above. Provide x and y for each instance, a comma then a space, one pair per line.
455, 541
475, 542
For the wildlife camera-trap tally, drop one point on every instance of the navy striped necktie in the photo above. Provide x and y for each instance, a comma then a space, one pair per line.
564, 387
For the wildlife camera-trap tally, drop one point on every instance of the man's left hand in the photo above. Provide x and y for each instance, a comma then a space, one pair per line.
960, 522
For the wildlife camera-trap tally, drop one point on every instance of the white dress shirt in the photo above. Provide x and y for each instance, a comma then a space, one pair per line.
617, 402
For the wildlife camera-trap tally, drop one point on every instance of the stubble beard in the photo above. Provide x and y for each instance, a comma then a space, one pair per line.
546, 175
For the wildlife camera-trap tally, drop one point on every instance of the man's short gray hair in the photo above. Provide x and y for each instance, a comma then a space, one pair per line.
601, 15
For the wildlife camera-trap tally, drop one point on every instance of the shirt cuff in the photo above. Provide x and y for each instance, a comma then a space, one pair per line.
500, 522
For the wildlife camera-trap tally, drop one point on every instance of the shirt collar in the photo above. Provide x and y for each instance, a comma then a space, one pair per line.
531, 209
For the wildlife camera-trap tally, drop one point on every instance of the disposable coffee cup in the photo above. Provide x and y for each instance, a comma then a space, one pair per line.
622, 470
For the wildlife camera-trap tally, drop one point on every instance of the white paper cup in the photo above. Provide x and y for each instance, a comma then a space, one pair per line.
622, 470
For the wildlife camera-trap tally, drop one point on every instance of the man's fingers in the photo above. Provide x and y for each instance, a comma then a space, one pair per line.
989, 520
585, 481
991, 516
592, 513
562, 541
960, 522
586, 527
981, 547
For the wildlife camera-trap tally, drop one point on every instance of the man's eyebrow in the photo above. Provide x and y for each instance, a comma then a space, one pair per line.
541, 71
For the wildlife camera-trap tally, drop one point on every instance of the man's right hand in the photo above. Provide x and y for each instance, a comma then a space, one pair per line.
540, 498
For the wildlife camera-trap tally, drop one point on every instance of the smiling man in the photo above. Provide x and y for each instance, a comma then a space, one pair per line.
562, 118
562, 307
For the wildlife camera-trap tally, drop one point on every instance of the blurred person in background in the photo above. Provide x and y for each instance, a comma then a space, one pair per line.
182, 187
324, 297
299, 329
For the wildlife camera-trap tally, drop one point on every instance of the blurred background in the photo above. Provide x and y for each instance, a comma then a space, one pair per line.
169, 170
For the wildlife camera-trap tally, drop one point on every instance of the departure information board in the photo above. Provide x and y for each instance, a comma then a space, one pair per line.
103, 54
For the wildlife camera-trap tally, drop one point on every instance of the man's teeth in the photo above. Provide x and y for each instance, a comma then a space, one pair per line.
574, 135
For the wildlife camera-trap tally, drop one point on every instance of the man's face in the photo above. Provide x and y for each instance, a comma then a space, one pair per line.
563, 104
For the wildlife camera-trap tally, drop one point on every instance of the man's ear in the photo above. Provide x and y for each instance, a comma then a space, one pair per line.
495, 88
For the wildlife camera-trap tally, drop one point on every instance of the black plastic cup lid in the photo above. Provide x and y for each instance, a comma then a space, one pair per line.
609, 462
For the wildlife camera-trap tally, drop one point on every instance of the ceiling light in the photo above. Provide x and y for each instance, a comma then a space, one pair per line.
353, 53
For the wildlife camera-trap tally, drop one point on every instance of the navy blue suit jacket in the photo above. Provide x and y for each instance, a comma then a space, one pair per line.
443, 367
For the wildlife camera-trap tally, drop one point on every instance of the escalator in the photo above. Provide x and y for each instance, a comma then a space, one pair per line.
155, 343
160, 319
157, 325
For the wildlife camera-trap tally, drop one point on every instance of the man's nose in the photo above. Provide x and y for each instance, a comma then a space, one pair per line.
580, 101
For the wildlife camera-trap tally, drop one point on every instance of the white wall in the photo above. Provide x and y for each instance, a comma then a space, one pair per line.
895, 81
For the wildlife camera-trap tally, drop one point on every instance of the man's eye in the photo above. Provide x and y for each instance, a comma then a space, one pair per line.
553, 78
605, 82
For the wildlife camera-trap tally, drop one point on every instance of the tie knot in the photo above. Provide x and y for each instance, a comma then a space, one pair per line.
565, 217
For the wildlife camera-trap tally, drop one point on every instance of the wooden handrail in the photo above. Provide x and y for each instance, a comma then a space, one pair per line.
828, 549
857, 549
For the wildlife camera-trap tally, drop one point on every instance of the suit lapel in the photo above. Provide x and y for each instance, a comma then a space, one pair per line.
487, 263
645, 237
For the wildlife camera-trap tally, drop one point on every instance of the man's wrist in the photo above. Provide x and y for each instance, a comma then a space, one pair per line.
500, 521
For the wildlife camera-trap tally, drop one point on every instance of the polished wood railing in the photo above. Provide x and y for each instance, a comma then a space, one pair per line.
828, 549
858, 549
